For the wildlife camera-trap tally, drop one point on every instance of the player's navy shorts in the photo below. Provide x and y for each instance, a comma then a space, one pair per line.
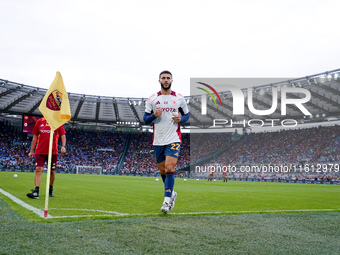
171, 150
40, 160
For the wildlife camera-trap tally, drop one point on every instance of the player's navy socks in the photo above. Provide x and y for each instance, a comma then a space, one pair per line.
169, 184
163, 177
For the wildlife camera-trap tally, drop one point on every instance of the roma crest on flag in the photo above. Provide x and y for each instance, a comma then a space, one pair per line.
55, 106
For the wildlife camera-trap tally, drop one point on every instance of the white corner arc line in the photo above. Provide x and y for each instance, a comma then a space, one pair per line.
37, 211
91, 210
40, 213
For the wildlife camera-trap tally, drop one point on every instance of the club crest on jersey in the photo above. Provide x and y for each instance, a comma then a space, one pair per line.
54, 100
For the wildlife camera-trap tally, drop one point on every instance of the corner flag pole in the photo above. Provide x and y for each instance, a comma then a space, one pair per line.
55, 107
48, 172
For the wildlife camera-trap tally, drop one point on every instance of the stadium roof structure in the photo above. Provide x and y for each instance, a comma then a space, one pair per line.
18, 99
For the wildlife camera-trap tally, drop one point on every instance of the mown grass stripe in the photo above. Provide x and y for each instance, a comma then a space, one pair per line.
25, 205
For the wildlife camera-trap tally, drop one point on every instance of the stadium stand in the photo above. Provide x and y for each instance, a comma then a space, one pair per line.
13, 149
109, 150
93, 139
106, 149
305, 154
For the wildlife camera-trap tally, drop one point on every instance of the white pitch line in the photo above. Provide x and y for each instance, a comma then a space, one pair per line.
90, 210
40, 213
78, 216
191, 213
25, 205
265, 211
241, 212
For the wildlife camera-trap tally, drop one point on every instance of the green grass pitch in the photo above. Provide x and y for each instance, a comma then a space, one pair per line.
121, 215
95, 196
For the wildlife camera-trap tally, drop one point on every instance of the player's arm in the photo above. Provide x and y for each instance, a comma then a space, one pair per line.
149, 114
33, 144
185, 117
184, 111
149, 117
63, 144
180, 119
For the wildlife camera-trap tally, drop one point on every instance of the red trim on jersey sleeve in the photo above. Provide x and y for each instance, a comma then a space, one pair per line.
178, 131
150, 97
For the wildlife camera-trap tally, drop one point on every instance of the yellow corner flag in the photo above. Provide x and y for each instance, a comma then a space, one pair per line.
55, 105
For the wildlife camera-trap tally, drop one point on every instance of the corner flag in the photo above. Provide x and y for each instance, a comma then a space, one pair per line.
55, 105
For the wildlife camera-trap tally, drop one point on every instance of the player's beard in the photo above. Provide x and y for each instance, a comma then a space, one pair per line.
165, 87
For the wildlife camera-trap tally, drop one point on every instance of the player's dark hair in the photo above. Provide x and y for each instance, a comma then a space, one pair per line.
165, 71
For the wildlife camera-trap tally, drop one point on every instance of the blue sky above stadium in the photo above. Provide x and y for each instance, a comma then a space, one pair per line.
118, 48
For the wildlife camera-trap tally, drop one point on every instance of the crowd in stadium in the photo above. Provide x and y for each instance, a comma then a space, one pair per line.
92, 148
132, 153
13, 149
305, 153
310, 145
204, 145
